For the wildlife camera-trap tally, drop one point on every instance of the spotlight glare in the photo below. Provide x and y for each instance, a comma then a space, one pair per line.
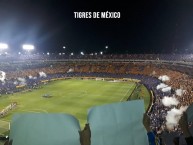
28, 47
3, 46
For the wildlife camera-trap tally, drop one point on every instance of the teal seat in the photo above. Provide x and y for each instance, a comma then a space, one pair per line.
44, 129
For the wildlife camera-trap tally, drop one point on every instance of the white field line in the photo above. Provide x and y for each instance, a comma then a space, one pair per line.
4, 121
3, 128
126, 94
35, 111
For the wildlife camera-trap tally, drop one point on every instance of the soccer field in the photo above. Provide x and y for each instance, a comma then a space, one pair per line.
72, 96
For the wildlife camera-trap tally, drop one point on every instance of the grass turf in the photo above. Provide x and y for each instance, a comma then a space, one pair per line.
71, 96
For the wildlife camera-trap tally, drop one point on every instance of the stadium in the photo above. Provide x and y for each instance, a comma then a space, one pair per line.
72, 84
96, 73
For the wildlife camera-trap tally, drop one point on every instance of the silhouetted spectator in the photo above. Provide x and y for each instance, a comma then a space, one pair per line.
183, 123
151, 136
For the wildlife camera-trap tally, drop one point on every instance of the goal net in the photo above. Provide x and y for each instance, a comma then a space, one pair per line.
99, 79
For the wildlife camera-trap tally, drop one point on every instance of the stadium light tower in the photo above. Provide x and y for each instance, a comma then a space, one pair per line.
3, 46
28, 47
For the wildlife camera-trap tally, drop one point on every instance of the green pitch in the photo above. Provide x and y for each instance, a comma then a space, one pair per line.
71, 96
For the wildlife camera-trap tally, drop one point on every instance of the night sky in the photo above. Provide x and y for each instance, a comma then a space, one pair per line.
149, 26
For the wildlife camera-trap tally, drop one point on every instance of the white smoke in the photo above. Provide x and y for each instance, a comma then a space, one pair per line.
180, 92
2, 76
167, 89
164, 78
42, 74
22, 81
169, 101
173, 117
31, 77
15, 82
161, 85
70, 70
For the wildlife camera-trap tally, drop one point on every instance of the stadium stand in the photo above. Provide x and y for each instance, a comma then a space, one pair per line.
147, 68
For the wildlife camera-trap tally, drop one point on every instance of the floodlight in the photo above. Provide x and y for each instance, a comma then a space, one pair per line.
64, 47
101, 53
106, 46
72, 53
82, 53
3, 46
28, 47
48, 53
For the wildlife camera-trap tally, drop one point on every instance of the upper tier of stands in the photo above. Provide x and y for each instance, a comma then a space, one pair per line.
52, 56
